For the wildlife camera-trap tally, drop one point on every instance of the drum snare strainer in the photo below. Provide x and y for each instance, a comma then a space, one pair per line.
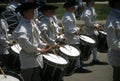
87, 39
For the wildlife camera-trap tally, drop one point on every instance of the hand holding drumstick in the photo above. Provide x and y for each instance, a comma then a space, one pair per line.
48, 48
98, 26
11, 42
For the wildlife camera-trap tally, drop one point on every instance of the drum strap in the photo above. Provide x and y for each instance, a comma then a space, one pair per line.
35, 34
4, 30
39, 58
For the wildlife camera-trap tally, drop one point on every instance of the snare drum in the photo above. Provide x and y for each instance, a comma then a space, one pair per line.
3, 60
10, 76
54, 67
11, 18
102, 42
12, 6
72, 54
13, 60
86, 46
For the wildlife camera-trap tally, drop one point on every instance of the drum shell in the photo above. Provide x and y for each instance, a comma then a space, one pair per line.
52, 71
85, 51
3, 59
13, 75
102, 42
86, 48
12, 19
67, 57
72, 62
13, 61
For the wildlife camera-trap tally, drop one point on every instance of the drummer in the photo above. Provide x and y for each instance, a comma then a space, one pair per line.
47, 25
71, 31
49, 28
91, 26
27, 35
112, 27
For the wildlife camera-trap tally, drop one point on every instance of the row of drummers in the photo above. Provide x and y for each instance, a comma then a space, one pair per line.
11, 20
61, 56
59, 62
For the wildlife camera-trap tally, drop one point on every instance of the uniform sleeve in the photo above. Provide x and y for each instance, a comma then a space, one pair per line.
44, 29
87, 18
47, 38
26, 45
57, 28
112, 39
69, 25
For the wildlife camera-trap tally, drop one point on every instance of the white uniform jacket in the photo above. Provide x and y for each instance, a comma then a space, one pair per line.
69, 24
88, 16
48, 30
28, 36
112, 27
3, 37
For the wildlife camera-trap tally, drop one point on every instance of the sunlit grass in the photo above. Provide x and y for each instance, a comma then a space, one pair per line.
102, 10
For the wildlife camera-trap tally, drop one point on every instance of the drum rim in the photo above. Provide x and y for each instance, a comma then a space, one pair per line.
89, 37
13, 75
102, 32
54, 63
68, 55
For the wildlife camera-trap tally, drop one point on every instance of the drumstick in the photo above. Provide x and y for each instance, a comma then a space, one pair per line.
67, 41
68, 45
3, 72
54, 51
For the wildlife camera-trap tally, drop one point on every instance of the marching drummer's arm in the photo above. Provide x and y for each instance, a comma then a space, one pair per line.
46, 37
27, 46
88, 20
42, 50
69, 26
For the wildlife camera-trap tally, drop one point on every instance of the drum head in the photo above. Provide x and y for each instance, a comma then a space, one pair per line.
16, 48
10, 76
87, 39
55, 59
69, 50
102, 32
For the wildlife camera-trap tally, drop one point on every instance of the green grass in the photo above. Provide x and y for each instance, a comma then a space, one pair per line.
102, 10
60, 11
